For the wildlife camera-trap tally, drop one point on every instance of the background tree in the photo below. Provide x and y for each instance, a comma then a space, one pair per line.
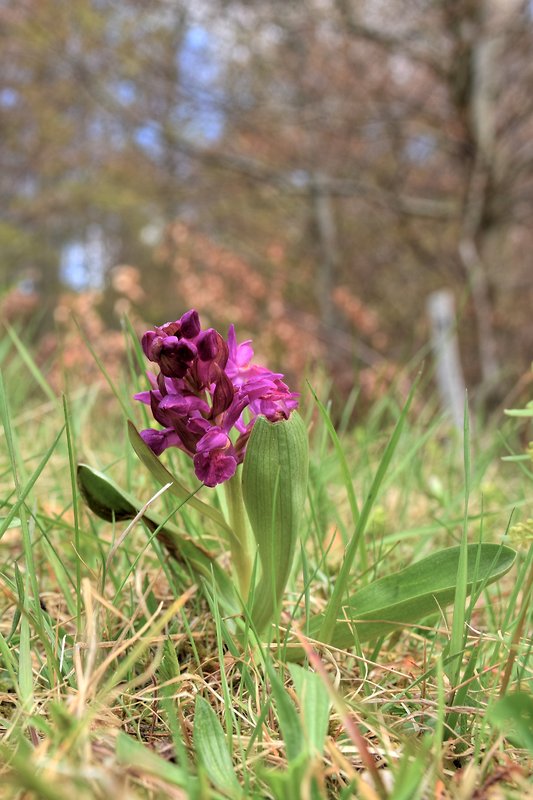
348, 157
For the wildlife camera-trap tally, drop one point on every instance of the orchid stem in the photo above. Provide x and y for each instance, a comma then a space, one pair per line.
240, 545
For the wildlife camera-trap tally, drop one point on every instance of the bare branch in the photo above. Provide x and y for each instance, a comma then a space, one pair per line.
388, 41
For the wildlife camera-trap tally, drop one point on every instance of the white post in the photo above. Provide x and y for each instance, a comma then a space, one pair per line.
448, 371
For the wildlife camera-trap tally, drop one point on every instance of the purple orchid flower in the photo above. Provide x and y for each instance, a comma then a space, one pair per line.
208, 395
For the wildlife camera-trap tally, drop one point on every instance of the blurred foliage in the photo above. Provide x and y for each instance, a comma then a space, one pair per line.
310, 172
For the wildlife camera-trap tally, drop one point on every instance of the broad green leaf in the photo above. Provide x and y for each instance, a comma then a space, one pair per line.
314, 705
131, 752
110, 502
212, 750
274, 486
416, 592
513, 715
104, 497
163, 476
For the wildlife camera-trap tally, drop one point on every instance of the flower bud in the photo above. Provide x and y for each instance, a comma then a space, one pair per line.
190, 324
174, 356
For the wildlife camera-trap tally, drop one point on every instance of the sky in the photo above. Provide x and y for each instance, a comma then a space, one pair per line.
84, 261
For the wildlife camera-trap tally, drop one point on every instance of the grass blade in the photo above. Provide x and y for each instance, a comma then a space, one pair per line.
343, 579
111, 503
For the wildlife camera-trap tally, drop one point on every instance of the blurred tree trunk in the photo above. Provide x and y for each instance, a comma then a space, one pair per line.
480, 33
448, 370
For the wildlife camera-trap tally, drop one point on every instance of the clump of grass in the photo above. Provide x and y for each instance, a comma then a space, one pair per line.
119, 676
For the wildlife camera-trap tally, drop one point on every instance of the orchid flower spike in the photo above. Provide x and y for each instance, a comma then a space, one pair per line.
208, 395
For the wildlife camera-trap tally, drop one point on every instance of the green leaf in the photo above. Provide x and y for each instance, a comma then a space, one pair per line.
163, 476
6, 523
408, 774
212, 749
345, 469
513, 715
110, 502
457, 633
287, 784
24, 773
32, 366
131, 752
314, 705
416, 592
25, 674
104, 497
274, 486
343, 580
289, 722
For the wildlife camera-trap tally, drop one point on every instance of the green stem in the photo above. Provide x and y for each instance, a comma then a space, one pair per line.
240, 545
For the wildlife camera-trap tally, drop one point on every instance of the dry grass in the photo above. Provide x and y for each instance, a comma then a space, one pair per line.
109, 649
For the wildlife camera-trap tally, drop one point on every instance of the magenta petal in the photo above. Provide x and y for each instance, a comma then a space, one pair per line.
158, 441
197, 425
232, 415
245, 354
240, 356
232, 342
214, 467
184, 405
215, 439
143, 397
